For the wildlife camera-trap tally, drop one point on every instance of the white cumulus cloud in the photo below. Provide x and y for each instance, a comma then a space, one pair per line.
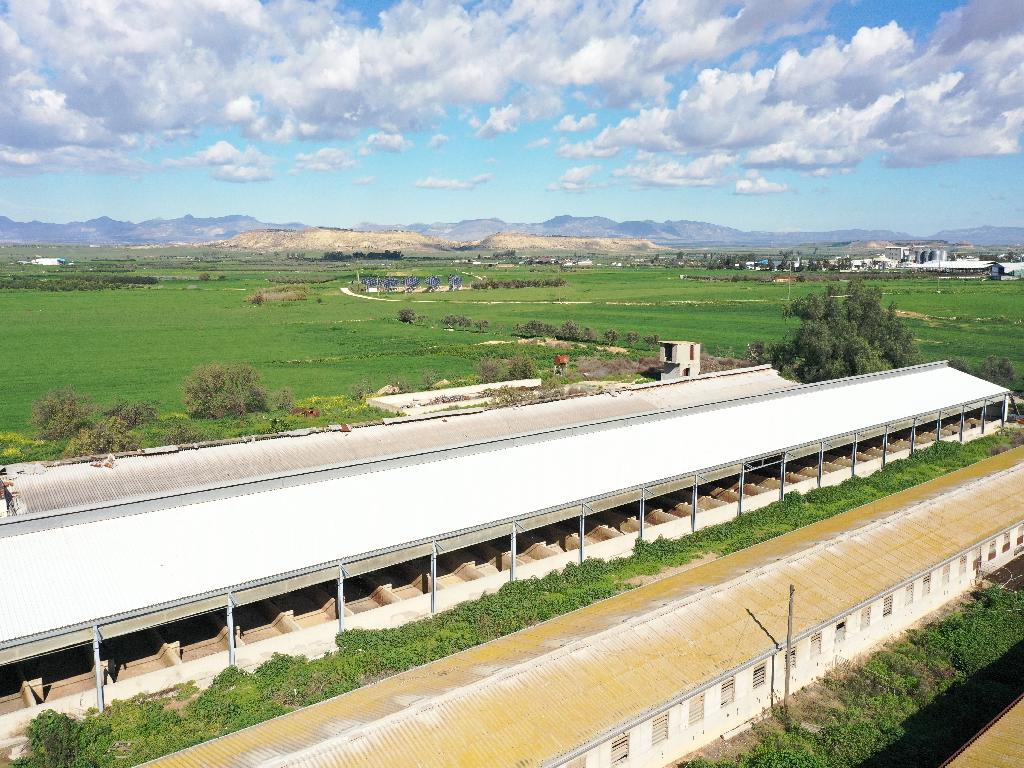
756, 184
324, 160
228, 163
576, 179
437, 182
569, 123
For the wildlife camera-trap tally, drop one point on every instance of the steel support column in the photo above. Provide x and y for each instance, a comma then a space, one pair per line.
963, 416
643, 511
739, 501
885, 446
512, 554
96, 640
231, 630
782, 476
433, 578
913, 436
938, 426
340, 603
583, 517
984, 413
1005, 411
853, 457
693, 506
821, 462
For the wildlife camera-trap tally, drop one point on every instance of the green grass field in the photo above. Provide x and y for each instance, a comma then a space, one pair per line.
139, 343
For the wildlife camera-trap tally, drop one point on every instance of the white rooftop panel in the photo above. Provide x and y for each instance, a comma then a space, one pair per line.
80, 573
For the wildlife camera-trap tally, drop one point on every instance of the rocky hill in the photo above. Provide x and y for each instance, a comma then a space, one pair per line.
504, 241
330, 239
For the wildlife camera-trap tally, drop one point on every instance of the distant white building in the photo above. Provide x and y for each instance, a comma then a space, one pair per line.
48, 262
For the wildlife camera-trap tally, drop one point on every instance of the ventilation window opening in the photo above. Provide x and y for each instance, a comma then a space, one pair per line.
963, 564
760, 675
620, 749
840, 632
887, 606
792, 658
696, 710
728, 692
908, 598
926, 585
816, 644
945, 574
659, 729
992, 551
1020, 535
1006, 542
865, 617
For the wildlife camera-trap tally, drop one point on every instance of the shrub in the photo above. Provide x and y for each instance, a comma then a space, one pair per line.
490, 370
611, 335
588, 334
652, 340
482, 326
998, 370
456, 321
534, 328
182, 434
204, 276
107, 436
60, 414
430, 378
632, 337
406, 316
521, 367
55, 740
215, 390
282, 399
133, 415
569, 331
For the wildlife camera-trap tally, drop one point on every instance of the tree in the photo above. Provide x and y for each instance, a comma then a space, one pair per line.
406, 316
60, 414
998, 370
843, 336
215, 390
632, 337
611, 335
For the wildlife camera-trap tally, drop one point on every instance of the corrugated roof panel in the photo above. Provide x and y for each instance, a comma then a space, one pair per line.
176, 553
1000, 745
624, 668
82, 485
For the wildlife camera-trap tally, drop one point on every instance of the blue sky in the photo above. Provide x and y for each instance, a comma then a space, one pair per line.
759, 114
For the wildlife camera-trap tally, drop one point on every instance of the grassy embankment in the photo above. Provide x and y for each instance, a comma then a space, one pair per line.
139, 343
146, 727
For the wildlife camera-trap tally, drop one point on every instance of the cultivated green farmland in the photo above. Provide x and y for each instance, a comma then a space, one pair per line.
140, 342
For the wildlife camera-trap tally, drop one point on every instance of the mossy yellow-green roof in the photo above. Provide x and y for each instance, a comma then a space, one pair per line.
1000, 745
530, 697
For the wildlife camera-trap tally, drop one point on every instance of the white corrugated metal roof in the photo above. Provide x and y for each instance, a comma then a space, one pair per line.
76, 574
45, 489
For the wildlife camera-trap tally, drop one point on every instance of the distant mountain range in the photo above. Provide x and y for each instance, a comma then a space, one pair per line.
189, 229
107, 231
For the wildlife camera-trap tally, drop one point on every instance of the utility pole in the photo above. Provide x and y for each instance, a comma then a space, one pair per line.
789, 649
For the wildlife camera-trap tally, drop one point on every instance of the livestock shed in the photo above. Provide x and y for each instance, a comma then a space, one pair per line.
648, 676
131, 581
1000, 744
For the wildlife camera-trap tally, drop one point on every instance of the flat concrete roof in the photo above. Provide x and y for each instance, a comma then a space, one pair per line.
492, 704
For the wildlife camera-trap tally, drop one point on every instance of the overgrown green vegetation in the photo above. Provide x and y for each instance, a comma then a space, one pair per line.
843, 334
146, 727
909, 705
